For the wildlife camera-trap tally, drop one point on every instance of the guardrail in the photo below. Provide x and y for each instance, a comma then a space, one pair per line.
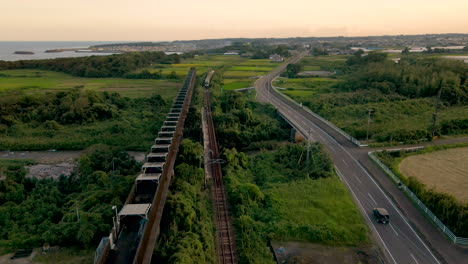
426, 211
339, 130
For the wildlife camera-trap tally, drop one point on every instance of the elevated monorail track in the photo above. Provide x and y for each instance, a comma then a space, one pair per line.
137, 226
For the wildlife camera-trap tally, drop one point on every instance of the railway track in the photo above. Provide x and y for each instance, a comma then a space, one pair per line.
225, 239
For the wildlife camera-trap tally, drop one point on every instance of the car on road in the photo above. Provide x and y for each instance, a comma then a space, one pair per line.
381, 215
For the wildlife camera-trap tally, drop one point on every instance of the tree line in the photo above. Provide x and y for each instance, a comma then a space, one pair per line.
116, 65
412, 77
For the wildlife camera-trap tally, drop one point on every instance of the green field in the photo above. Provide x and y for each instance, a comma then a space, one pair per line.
232, 84
301, 88
325, 63
324, 204
202, 63
34, 81
251, 68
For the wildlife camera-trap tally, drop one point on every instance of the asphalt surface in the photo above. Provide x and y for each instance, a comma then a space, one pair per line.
409, 238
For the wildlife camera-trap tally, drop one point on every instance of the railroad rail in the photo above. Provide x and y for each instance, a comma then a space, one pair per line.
137, 225
225, 239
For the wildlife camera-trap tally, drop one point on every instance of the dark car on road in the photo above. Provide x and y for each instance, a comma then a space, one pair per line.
381, 215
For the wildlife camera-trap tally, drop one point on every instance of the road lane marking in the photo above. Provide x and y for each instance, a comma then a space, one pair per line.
383, 193
345, 163
357, 177
364, 211
414, 259
304, 123
372, 198
394, 230
372, 179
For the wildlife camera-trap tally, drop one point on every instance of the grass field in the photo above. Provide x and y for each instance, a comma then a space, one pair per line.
202, 63
325, 63
232, 84
446, 171
322, 204
33, 81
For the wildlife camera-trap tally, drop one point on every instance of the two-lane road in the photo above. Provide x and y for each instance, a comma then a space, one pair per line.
399, 241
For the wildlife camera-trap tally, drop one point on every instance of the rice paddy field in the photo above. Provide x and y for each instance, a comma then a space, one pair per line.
38, 81
244, 74
202, 63
445, 171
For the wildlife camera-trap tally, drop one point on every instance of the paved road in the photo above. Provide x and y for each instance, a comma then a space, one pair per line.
400, 241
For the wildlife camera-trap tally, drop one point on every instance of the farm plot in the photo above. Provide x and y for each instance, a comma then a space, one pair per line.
445, 171
39, 81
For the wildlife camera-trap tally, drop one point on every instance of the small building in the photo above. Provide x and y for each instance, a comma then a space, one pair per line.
276, 58
231, 53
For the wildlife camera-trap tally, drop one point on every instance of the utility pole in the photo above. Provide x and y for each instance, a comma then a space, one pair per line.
437, 107
308, 151
77, 213
369, 112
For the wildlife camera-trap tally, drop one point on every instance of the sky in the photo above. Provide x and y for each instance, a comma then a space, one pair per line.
156, 20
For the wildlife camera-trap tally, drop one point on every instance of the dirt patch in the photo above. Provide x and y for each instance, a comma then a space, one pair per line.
43, 171
52, 164
446, 171
5, 259
310, 253
42, 157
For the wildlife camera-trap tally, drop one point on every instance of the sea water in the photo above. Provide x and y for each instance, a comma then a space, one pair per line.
7, 49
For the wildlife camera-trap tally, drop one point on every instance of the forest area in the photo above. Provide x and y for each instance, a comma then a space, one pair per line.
78, 118
74, 211
116, 65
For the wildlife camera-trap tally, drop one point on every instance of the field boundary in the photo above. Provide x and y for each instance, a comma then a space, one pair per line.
339, 130
423, 208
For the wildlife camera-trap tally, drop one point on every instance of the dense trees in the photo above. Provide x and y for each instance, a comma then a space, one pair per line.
78, 118
69, 211
117, 65
53, 109
292, 70
188, 230
240, 122
255, 50
412, 78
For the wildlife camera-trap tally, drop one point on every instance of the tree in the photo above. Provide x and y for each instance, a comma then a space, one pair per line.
405, 51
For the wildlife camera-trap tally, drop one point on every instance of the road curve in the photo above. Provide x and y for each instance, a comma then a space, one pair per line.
399, 241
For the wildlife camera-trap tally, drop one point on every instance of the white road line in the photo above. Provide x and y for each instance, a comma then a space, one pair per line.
304, 123
372, 198
383, 193
357, 177
414, 259
394, 230
364, 212
372, 179
345, 163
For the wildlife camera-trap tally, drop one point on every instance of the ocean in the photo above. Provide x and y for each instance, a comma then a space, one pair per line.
7, 49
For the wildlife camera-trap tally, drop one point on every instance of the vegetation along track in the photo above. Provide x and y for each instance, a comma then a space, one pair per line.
225, 240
